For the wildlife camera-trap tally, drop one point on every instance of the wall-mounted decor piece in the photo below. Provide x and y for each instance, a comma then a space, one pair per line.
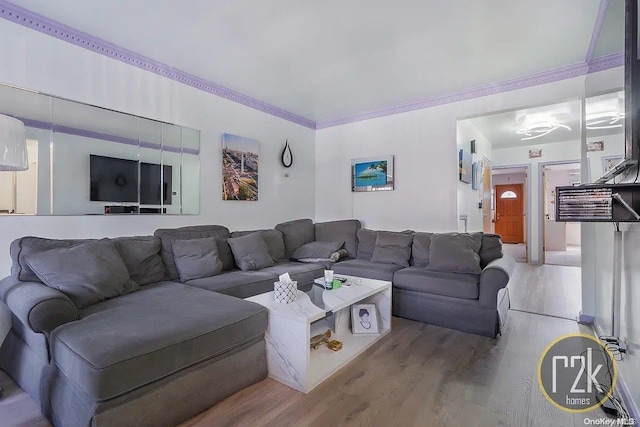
595, 146
239, 168
464, 164
372, 174
474, 148
535, 153
287, 156
474, 175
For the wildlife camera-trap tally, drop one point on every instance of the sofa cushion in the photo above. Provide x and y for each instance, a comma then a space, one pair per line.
366, 243
455, 252
421, 279
365, 268
392, 248
316, 250
141, 255
420, 249
490, 249
344, 230
250, 252
272, 237
196, 258
237, 283
87, 273
296, 233
127, 342
303, 273
24, 246
168, 235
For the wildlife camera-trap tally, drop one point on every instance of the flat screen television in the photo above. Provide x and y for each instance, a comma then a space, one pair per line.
150, 187
112, 179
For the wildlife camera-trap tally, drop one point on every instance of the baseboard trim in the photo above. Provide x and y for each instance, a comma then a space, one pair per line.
621, 386
586, 319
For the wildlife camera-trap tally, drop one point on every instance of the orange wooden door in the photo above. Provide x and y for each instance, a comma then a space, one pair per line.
509, 213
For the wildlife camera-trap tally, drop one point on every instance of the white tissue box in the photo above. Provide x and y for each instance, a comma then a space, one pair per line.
285, 292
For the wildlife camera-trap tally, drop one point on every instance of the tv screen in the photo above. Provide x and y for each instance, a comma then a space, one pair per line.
112, 179
150, 188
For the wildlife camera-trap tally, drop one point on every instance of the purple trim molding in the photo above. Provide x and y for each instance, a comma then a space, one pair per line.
53, 28
602, 12
19, 15
585, 319
550, 76
606, 62
105, 137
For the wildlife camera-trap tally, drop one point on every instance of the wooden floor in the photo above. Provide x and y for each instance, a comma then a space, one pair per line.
547, 289
418, 375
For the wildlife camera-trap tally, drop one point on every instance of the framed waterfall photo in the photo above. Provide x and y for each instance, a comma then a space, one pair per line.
372, 174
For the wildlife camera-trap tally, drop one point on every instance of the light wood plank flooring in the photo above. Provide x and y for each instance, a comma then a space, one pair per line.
418, 375
552, 290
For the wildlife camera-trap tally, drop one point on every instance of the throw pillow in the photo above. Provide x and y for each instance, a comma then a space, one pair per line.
490, 249
141, 255
392, 248
455, 252
196, 258
420, 249
366, 243
87, 273
250, 252
316, 250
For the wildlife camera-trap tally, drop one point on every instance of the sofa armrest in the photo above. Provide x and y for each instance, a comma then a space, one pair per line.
495, 276
36, 305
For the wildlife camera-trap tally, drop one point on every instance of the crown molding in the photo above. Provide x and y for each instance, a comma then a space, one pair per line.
37, 22
597, 28
536, 79
34, 21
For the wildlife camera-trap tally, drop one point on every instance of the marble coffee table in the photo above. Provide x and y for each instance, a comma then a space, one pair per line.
289, 357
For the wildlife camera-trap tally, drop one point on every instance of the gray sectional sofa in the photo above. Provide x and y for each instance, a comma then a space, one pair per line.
151, 330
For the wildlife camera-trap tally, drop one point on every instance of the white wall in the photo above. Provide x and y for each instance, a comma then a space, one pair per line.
424, 143
52, 66
468, 198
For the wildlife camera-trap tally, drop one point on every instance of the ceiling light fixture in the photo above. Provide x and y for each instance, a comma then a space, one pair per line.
538, 130
607, 120
13, 145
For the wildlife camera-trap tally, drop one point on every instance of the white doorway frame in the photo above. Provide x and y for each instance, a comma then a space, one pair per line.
527, 205
541, 197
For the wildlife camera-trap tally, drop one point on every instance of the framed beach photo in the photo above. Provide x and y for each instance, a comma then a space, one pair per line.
372, 174
364, 319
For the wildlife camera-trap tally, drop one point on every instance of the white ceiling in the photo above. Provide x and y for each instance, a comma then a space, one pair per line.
500, 128
324, 59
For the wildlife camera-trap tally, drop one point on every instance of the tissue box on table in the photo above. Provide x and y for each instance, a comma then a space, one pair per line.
285, 290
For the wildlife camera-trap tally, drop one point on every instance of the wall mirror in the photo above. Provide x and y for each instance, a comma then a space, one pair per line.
88, 160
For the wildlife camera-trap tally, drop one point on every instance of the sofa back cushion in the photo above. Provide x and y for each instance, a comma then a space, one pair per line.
25, 246
366, 243
87, 273
168, 235
490, 249
272, 237
455, 252
296, 233
420, 249
141, 255
250, 252
196, 258
392, 248
340, 231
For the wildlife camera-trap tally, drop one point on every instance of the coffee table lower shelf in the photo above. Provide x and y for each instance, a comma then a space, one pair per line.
291, 326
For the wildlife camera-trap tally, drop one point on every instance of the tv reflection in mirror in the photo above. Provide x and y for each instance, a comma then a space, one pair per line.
116, 180
113, 180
